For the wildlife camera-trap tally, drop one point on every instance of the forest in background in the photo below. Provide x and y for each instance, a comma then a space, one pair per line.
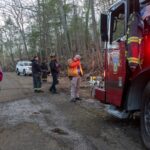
41, 27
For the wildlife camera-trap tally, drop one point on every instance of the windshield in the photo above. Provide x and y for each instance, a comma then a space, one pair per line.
27, 64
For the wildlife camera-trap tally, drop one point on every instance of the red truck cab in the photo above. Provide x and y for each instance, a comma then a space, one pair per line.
126, 89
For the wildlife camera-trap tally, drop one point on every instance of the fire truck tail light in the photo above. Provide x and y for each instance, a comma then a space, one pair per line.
104, 74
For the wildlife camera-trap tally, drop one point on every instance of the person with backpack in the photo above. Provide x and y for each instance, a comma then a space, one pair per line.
75, 72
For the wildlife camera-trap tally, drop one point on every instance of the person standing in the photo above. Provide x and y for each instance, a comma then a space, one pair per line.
75, 72
54, 67
44, 69
36, 74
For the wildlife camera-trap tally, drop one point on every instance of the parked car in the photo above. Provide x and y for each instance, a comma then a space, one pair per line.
24, 68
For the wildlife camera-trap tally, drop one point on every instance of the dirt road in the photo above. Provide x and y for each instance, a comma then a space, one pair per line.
44, 121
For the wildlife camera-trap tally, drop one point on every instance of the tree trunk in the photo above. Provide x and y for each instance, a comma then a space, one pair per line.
95, 35
87, 25
65, 27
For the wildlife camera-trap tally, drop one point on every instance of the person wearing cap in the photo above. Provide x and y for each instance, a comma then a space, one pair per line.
75, 72
36, 74
54, 67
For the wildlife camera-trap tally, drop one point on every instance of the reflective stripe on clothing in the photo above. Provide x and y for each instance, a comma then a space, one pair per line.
134, 39
133, 60
37, 88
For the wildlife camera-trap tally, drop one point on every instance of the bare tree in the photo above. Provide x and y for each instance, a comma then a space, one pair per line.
17, 13
65, 27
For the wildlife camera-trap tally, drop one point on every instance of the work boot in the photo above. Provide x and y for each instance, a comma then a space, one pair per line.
78, 99
35, 91
55, 92
73, 100
40, 91
50, 90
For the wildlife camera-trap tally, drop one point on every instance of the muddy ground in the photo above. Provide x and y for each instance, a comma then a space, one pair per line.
44, 121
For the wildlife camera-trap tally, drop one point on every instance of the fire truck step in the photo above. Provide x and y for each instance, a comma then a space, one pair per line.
112, 110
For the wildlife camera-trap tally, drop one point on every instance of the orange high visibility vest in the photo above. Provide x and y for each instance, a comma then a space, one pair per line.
75, 69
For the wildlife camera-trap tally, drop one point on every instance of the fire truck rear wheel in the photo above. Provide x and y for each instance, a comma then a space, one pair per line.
145, 117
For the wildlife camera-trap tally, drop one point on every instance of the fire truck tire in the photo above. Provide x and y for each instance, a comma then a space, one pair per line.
145, 117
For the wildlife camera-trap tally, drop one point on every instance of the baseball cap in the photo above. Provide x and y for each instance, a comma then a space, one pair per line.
77, 57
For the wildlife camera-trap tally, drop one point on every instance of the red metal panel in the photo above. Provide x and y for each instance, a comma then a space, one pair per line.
146, 55
115, 74
115, 96
100, 94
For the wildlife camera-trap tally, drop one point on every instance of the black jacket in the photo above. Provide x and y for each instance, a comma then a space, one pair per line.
54, 67
44, 67
36, 69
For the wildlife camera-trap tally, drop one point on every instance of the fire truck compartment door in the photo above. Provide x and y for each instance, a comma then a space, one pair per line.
115, 74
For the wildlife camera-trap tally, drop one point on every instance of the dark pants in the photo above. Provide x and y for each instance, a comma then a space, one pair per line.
44, 75
37, 81
55, 81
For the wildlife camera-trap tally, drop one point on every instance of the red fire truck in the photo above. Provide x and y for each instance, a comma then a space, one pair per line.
125, 32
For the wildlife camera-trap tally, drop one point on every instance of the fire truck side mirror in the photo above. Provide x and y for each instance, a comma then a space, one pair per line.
103, 27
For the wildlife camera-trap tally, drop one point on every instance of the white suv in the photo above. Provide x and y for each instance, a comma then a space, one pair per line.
24, 67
